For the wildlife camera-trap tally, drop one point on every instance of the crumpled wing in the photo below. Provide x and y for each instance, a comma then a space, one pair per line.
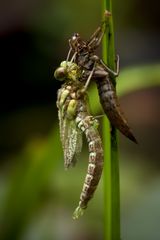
71, 139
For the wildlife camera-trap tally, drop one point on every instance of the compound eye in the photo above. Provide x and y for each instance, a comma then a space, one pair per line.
60, 74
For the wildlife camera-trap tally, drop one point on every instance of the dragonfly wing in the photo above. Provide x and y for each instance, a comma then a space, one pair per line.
77, 142
71, 139
73, 144
61, 127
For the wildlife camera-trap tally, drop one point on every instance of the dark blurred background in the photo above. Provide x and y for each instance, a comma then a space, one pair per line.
37, 197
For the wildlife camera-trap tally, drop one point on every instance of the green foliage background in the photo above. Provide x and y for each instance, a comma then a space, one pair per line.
37, 197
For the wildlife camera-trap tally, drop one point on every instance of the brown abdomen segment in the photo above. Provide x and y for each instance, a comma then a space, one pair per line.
95, 166
111, 107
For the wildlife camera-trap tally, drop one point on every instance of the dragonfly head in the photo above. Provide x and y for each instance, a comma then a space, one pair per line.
60, 73
74, 41
67, 71
77, 44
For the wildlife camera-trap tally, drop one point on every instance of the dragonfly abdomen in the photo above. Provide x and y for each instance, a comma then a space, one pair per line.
112, 108
88, 125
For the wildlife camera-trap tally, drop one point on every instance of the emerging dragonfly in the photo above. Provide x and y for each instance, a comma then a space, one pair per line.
87, 60
75, 119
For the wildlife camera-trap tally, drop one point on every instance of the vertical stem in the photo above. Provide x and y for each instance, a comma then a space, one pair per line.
111, 166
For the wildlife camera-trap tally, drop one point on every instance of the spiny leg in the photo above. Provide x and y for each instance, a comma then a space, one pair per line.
113, 73
97, 36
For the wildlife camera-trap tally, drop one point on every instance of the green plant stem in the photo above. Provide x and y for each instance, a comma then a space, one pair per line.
111, 165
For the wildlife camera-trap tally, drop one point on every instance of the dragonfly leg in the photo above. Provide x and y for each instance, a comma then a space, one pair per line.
97, 71
113, 73
73, 57
97, 36
99, 116
89, 77
68, 55
103, 27
83, 90
117, 64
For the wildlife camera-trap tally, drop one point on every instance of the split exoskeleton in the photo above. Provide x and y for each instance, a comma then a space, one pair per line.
84, 56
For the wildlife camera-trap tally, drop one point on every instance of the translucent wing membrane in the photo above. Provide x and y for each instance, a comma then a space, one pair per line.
70, 135
73, 145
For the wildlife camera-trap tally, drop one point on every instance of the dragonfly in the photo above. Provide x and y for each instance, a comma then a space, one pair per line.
87, 60
74, 121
